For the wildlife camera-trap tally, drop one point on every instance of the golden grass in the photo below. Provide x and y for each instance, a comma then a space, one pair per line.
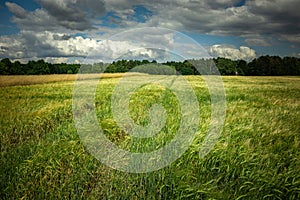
41, 79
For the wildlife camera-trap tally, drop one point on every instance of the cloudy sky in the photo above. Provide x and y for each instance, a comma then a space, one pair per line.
67, 30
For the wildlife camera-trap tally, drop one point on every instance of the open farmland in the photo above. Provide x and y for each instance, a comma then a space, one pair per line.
256, 157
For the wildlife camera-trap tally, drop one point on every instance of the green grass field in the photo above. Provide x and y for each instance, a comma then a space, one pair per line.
256, 157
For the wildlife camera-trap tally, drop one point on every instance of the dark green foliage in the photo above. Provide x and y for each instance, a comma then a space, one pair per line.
262, 66
36, 68
226, 66
274, 66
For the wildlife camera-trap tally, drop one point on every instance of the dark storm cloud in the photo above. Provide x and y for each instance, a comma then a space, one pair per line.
282, 15
69, 14
221, 17
38, 20
273, 18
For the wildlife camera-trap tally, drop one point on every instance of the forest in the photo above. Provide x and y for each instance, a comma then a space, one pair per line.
262, 66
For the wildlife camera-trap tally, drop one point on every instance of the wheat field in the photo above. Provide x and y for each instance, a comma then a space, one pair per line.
256, 157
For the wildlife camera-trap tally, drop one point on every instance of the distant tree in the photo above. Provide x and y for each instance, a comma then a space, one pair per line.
37, 67
3, 69
186, 68
6, 67
86, 68
262, 66
242, 67
276, 66
98, 67
144, 62
17, 68
291, 66
226, 66
251, 68
271, 66
111, 68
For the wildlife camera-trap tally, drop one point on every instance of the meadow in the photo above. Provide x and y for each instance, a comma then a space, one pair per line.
256, 157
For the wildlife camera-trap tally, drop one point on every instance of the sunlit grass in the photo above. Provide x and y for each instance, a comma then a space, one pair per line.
256, 157
42, 79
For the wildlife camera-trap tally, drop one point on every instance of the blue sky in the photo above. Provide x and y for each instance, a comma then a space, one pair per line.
61, 31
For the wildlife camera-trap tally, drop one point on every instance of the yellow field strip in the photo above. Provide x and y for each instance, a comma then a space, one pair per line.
40, 79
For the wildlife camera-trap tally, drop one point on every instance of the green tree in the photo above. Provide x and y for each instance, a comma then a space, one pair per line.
242, 67
226, 66
6, 67
3, 69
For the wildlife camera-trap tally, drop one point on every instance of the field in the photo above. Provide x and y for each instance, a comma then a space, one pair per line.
256, 157
41, 79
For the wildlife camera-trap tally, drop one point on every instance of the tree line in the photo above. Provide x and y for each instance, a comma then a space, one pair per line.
262, 66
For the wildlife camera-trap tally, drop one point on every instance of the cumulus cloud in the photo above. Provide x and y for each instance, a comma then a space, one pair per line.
149, 43
29, 44
56, 47
142, 43
228, 51
47, 31
56, 60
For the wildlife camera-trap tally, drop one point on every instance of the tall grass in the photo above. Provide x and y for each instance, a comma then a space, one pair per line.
256, 157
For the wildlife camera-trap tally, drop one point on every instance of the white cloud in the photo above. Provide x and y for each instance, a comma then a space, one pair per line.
47, 31
53, 46
29, 44
148, 43
228, 51
55, 60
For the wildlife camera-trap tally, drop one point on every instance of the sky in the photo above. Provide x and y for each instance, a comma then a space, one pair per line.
70, 30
